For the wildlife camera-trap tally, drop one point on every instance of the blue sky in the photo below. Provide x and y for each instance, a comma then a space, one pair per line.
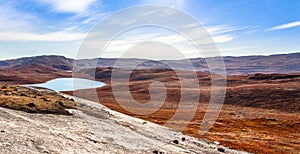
248, 27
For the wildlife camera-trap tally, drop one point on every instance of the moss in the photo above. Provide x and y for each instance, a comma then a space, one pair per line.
34, 101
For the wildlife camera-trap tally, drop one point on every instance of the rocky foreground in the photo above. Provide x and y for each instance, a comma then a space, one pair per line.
90, 128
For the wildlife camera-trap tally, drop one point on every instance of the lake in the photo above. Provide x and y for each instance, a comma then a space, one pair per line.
69, 84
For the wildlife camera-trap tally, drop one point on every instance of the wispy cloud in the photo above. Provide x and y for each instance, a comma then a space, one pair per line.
221, 29
130, 39
17, 25
60, 36
73, 6
12, 19
179, 4
223, 38
285, 26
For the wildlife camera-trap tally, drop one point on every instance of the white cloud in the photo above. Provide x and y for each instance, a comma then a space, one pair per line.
285, 26
74, 6
223, 38
220, 29
179, 4
12, 19
16, 25
219, 33
60, 36
125, 41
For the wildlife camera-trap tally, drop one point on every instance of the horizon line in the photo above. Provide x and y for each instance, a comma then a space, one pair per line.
257, 55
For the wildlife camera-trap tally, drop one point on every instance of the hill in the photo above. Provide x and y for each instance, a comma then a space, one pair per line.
281, 63
34, 69
56, 66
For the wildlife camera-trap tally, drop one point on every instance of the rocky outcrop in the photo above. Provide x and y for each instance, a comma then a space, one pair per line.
34, 100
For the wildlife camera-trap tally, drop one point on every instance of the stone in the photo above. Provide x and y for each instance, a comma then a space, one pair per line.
221, 149
31, 105
175, 141
216, 142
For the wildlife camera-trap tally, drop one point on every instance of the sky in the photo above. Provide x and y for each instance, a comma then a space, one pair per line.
58, 27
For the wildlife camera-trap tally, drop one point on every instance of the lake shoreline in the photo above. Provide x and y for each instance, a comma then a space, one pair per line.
68, 84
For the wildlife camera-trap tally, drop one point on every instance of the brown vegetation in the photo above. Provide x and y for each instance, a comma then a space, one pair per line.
259, 115
34, 101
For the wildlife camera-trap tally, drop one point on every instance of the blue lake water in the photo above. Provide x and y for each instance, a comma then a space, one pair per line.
69, 84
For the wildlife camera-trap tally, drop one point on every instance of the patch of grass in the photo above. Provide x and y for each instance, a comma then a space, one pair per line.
34, 101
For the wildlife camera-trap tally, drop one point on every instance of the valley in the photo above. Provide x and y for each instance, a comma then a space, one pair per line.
260, 114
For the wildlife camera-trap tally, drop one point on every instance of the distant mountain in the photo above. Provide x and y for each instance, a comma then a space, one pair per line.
282, 63
35, 69
53, 62
54, 66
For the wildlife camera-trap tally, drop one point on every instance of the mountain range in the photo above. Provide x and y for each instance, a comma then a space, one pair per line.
24, 70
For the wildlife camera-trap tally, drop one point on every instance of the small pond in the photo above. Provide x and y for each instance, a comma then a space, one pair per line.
69, 84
